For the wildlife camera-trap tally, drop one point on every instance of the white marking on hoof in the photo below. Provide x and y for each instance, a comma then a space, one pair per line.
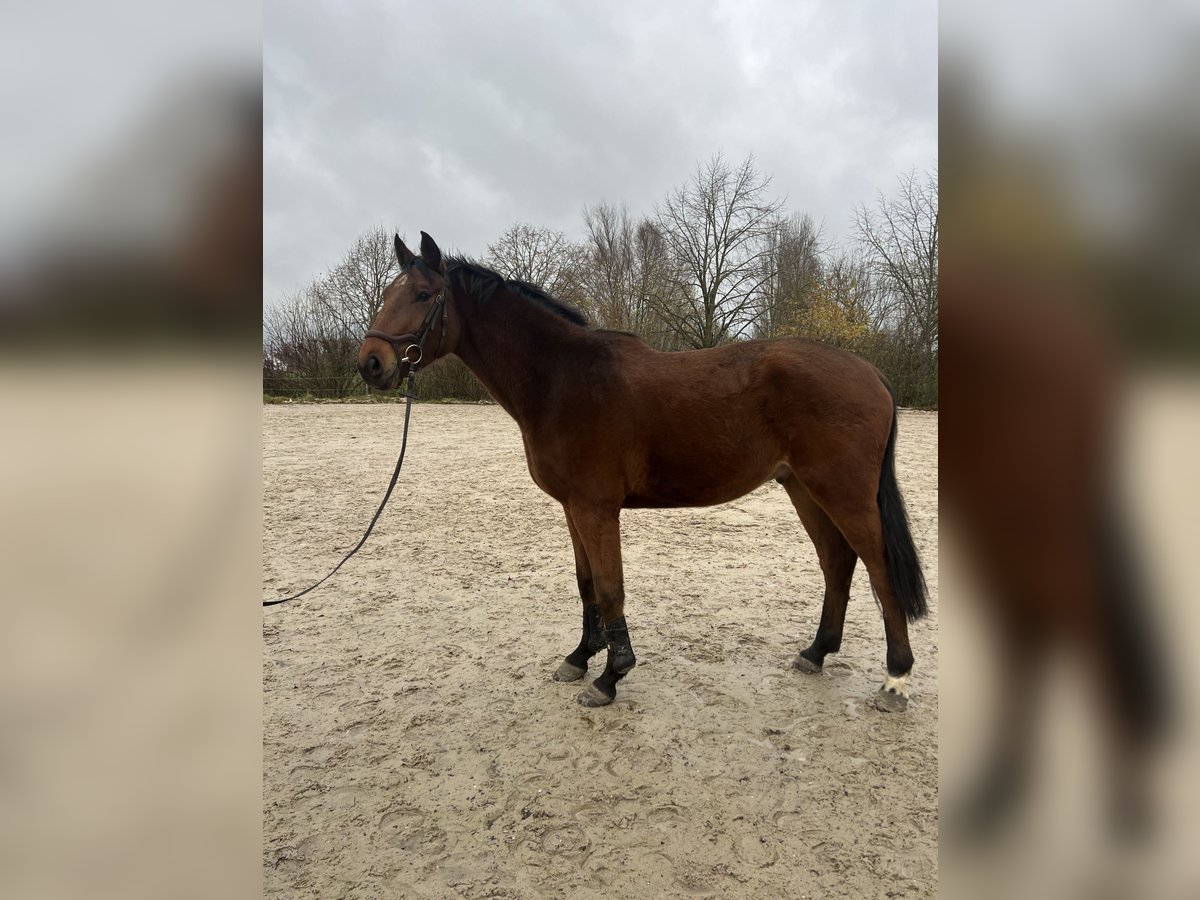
896, 685
893, 694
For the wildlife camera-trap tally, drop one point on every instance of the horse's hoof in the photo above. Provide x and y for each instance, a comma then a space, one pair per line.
593, 696
568, 672
890, 699
803, 664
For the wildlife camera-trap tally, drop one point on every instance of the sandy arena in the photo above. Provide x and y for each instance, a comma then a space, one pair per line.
415, 746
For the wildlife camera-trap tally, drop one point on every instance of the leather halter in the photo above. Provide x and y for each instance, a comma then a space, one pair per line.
417, 341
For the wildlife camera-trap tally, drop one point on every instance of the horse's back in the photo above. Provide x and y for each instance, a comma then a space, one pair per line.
780, 379
706, 426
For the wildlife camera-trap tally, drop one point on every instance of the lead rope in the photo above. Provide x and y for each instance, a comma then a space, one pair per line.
408, 394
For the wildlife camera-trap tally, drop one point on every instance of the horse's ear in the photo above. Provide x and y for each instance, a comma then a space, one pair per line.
403, 255
431, 254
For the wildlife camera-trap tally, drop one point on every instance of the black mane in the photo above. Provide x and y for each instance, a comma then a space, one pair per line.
480, 283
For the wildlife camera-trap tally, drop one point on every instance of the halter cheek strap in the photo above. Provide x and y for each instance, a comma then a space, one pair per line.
411, 342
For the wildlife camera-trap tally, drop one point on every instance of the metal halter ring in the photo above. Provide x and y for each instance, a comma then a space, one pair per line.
408, 350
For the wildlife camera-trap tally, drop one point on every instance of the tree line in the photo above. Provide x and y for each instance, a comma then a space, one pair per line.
717, 260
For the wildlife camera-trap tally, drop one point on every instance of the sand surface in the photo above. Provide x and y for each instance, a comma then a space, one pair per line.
415, 746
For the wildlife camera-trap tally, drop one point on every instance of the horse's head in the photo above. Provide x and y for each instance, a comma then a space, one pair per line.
411, 326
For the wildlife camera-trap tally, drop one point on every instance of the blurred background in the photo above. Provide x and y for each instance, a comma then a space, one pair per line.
1070, 148
130, 278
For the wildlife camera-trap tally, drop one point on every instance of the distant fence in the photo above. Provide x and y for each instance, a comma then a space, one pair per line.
451, 380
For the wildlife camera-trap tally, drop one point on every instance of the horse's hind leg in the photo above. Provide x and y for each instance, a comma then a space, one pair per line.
592, 640
837, 563
599, 531
857, 517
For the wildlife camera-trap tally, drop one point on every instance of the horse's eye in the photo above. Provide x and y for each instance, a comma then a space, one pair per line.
424, 295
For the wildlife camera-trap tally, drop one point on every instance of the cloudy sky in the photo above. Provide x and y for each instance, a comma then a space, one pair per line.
461, 118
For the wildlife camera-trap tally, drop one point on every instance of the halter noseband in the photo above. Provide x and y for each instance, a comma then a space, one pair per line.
417, 341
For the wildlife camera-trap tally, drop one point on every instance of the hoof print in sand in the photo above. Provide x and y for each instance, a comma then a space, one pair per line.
567, 839
407, 829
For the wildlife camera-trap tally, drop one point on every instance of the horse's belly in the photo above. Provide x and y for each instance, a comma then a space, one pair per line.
701, 477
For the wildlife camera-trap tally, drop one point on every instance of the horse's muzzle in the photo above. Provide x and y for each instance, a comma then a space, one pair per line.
378, 375
371, 368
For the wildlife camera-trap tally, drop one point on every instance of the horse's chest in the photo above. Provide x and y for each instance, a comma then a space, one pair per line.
546, 472
571, 466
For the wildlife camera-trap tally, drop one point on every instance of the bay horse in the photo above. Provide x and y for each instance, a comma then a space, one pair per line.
609, 423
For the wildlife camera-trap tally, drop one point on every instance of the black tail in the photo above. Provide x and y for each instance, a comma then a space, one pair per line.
1141, 689
903, 564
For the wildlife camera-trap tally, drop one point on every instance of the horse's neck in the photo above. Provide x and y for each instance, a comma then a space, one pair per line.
515, 349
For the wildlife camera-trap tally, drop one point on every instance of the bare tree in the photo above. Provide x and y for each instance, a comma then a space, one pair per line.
716, 228
306, 350
607, 270
900, 239
311, 339
623, 266
353, 291
539, 256
795, 270
659, 289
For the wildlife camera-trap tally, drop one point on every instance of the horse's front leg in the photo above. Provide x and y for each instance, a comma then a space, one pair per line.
599, 531
592, 640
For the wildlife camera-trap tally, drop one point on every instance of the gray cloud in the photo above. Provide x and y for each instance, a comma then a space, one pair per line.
462, 118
